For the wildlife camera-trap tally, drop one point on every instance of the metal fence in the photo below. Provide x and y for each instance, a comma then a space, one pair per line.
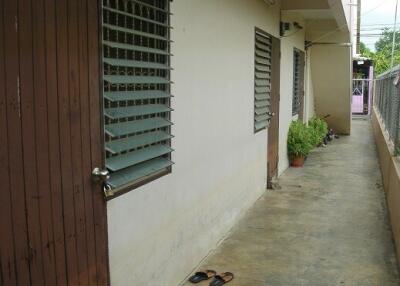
387, 102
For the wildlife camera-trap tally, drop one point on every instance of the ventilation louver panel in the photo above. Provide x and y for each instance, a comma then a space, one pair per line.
262, 81
136, 64
296, 83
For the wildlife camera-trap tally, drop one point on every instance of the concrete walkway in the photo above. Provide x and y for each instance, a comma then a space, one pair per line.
328, 225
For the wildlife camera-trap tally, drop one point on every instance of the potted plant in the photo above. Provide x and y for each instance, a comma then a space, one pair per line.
299, 143
318, 129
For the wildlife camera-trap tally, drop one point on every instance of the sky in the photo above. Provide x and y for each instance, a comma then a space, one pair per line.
375, 15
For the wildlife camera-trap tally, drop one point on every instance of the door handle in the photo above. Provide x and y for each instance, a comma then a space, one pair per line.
99, 175
272, 114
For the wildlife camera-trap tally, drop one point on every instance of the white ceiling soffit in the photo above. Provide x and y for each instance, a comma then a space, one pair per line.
324, 14
305, 4
339, 9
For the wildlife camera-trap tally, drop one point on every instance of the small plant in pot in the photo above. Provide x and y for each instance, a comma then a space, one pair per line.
299, 143
318, 129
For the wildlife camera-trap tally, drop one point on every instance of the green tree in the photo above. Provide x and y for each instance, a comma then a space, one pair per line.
365, 51
386, 40
383, 51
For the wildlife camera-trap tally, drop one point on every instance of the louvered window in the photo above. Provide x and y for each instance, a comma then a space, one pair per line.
262, 82
296, 82
136, 63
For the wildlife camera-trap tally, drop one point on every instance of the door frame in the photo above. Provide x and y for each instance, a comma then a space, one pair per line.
273, 129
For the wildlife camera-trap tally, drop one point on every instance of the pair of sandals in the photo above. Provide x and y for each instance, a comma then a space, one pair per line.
220, 279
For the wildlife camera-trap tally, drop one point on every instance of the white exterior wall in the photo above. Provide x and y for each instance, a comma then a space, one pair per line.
309, 98
292, 40
161, 231
331, 71
333, 98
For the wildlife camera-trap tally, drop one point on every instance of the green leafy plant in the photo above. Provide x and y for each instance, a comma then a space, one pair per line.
318, 129
299, 140
382, 55
397, 150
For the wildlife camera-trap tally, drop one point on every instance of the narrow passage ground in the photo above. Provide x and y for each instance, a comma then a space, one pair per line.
327, 225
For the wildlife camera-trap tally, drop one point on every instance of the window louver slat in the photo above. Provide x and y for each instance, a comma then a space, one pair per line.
136, 64
263, 68
261, 110
135, 95
263, 61
132, 47
122, 112
261, 125
262, 81
262, 96
260, 118
262, 75
135, 32
130, 143
262, 90
128, 159
136, 17
262, 103
129, 127
263, 54
139, 171
156, 8
127, 79
263, 47
262, 38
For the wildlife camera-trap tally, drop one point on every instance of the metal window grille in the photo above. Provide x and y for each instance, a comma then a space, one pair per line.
136, 64
387, 103
296, 83
262, 80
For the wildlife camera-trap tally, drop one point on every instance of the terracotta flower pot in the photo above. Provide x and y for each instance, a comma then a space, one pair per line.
297, 161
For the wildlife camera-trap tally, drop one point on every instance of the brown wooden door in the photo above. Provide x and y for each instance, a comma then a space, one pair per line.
301, 84
273, 130
52, 218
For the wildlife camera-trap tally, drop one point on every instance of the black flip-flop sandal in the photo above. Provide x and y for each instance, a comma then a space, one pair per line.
222, 279
202, 276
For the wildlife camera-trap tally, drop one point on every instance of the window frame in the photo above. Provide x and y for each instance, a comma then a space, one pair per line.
133, 185
266, 35
296, 104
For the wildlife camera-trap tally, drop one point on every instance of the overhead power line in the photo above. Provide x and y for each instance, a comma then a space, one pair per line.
375, 29
377, 24
337, 29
